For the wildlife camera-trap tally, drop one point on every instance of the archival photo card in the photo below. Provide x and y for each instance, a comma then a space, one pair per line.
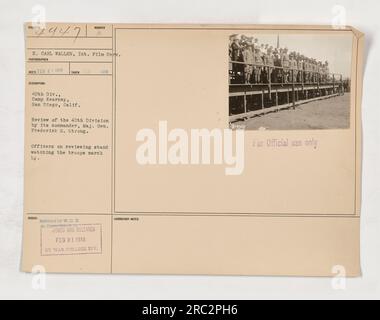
192, 149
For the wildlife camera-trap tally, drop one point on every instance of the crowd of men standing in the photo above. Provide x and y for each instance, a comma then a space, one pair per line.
255, 63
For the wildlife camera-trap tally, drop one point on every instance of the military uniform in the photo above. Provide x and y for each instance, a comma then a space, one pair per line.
254, 62
307, 71
258, 66
236, 56
320, 72
277, 64
270, 65
327, 71
248, 59
294, 67
286, 65
314, 69
300, 69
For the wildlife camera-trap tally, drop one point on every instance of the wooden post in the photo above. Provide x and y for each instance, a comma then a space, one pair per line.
245, 102
229, 71
333, 83
270, 83
282, 75
319, 91
288, 96
262, 99
293, 91
276, 97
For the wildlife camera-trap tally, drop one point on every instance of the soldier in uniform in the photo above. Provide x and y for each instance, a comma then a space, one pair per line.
320, 72
270, 64
293, 66
315, 70
286, 65
307, 70
248, 60
230, 56
256, 43
262, 50
258, 66
300, 68
236, 56
266, 50
265, 71
312, 70
324, 72
314, 65
277, 64
327, 71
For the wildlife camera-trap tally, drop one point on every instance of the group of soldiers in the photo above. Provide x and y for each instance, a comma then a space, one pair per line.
254, 63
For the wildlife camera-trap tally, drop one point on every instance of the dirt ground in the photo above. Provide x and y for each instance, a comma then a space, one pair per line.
332, 113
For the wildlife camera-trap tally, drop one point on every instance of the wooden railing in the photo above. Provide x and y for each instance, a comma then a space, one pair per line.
296, 85
313, 77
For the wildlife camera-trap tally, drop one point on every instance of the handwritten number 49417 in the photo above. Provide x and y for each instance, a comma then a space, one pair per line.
56, 31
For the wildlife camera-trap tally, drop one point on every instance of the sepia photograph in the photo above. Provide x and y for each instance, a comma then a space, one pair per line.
290, 81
